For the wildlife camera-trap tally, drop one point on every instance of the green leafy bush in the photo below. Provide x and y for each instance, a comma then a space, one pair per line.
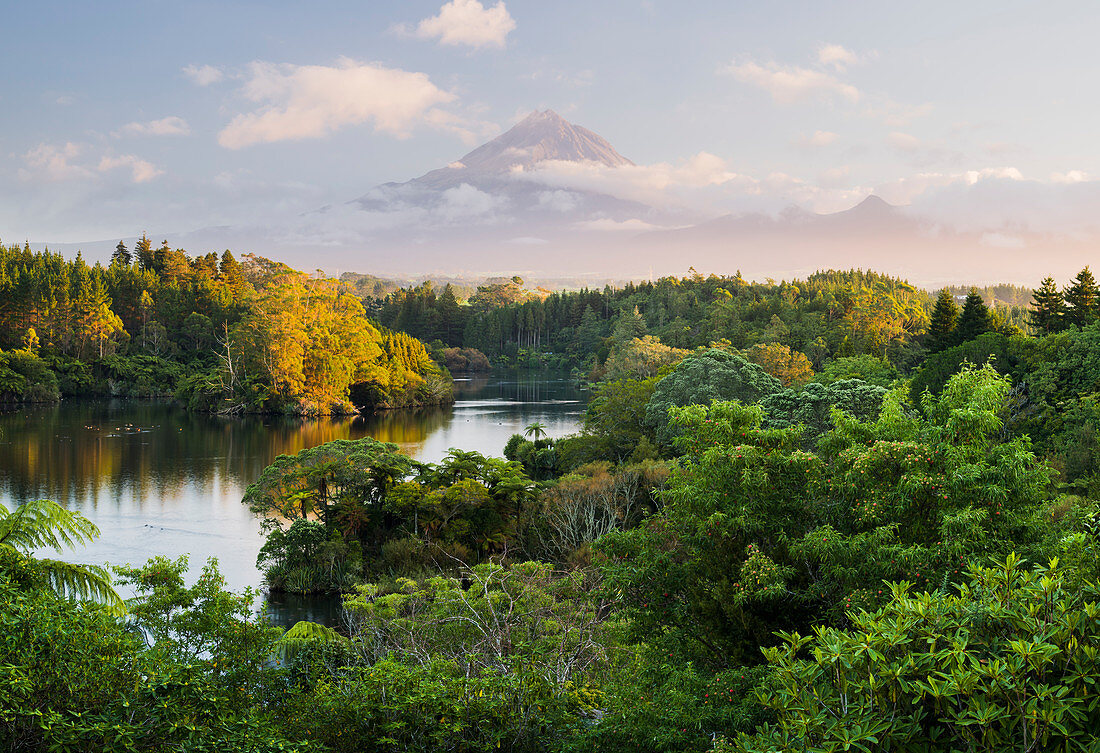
702, 379
1005, 660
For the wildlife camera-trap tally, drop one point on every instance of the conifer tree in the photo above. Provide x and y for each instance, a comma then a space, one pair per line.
143, 250
450, 316
975, 319
945, 317
230, 271
121, 255
1050, 308
1082, 299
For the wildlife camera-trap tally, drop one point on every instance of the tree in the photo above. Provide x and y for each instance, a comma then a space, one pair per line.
628, 326
1049, 308
230, 270
944, 319
1082, 299
121, 255
352, 474
614, 421
640, 358
450, 317
143, 251
975, 319
42, 523
702, 379
812, 406
535, 431
868, 368
791, 367
1001, 661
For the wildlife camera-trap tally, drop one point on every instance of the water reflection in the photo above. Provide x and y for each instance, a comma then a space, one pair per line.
158, 480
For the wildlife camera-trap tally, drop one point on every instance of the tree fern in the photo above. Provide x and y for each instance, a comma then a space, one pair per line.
302, 634
43, 523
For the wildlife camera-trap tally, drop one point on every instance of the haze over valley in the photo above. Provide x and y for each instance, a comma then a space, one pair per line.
545, 198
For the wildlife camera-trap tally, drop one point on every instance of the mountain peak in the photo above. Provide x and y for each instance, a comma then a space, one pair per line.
539, 137
537, 116
543, 135
872, 203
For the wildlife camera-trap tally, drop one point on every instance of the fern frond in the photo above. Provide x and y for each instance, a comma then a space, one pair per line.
43, 523
82, 582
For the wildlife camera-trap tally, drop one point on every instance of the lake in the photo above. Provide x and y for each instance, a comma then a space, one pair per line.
159, 480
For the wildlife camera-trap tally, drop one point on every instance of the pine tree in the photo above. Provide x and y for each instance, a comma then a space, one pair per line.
1082, 299
450, 316
143, 250
628, 326
941, 327
975, 318
121, 255
1050, 308
230, 271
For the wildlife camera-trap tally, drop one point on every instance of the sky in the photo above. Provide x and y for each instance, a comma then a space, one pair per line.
125, 117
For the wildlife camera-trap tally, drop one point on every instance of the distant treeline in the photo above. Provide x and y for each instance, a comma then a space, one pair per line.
830, 314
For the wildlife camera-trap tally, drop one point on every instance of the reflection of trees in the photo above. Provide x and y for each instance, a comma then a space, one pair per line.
105, 452
517, 386
100, 451
402, 427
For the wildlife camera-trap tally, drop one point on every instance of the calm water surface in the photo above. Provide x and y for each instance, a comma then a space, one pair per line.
158, 480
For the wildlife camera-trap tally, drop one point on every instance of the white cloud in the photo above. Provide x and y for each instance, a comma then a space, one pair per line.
788, 84
141, 170
311, 101
70, 162
610, 225
54, 163
661, 184
995, 173
468, 22
173, 125
816, 140
465, 201
559, 201
203, 75
1070, 176
836, 56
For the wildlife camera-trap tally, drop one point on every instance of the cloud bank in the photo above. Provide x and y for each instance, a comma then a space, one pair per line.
312, 101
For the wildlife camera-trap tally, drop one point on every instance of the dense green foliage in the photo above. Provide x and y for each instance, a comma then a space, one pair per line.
773, 531
74, 678
828, 314
356, 503
710, 376
220, 334
1003, 661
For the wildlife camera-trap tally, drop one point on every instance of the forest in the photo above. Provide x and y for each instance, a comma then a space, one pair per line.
831, 514
213, 332
830, 314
